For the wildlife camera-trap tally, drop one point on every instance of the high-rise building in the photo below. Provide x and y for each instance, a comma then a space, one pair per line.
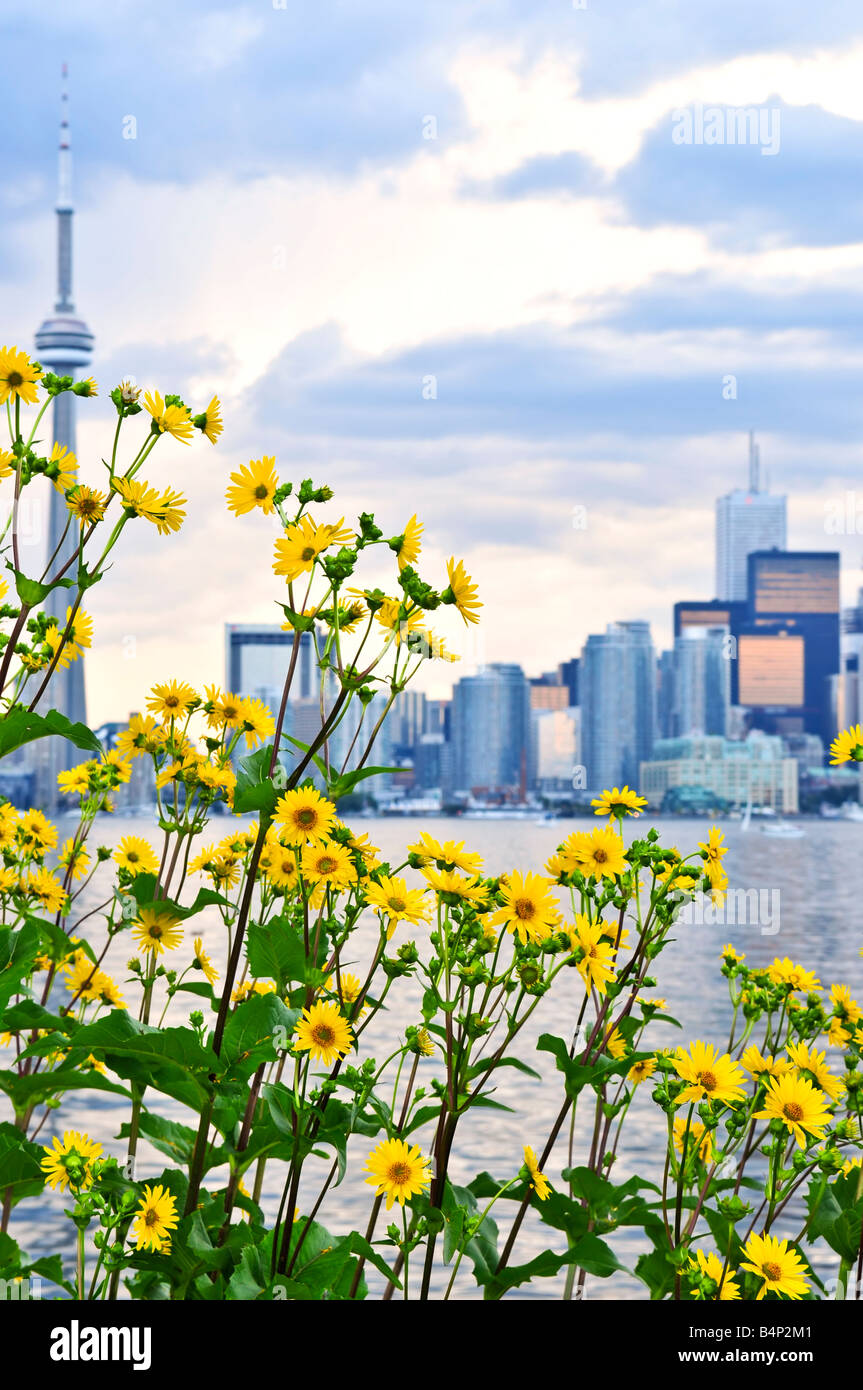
569, 677
257, 657
617, 685
491, 734
746, 520
788, 661
555, 747
701, 681
64, 344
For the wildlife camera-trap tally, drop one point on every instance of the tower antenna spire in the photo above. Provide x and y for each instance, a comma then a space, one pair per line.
754, 464
64, 304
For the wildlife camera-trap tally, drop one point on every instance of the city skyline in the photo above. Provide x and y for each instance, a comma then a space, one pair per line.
599, 350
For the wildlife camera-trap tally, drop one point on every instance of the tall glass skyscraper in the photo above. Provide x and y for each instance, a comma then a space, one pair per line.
617, 686
746, 521
491, 732
701, 681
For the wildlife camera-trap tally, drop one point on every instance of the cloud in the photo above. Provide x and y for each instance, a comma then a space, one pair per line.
805, 194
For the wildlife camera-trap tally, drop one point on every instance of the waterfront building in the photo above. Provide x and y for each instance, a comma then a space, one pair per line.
491, 734
617, 685
746, 520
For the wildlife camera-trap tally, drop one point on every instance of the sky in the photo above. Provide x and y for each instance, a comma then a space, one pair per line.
486, 261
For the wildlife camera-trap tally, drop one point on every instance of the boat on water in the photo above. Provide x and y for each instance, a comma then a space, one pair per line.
782, 830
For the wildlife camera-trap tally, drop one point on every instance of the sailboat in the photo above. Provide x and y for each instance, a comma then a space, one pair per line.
747, 814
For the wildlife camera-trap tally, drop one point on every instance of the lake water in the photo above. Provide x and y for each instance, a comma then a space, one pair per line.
810, 890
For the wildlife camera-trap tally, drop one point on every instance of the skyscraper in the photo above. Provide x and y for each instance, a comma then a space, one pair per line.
788, 646
701, 681
617, 687
64, 344
748, 520
491, 732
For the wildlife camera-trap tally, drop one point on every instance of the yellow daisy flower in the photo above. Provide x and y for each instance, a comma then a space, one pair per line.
254, 486
529, 908
305, 816
157, 930
18, 377
619, 802
397, 1171
462, 591
68, 1163
781, 1269
324, 1033
392, 898
709, 1075
847, 746
798, 1104
155, 1218
136, 855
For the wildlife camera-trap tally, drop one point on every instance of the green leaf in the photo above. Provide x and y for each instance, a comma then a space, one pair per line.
170, 1059
174, 1140
276, 951
31, 591
21, 726
36, 1087
255, 791
20, 1165
346, 781
18, 950
256, 1032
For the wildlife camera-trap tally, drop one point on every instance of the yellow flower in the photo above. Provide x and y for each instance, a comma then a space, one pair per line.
710, 1076
697, 1136
728, 953
410, 547
66, 465
305, 815
139, 738
529, 908
596, 967
806, 1059
615, 1044
256, 721
69, 1163
538, 1182
155, 1218
47, 890
848, 746
87, 504
253, 487
619, 802
713, 846
8, 464
136, 855
167, 514
331, 863
86, 387
80, 634
798, 1104
209, 422
450, 855
785, 972
170, 419
727, 1290
202, 961
392, 898
171, 699
780, 1268
302, 543
157, 930
138, 497
75, 857
601, 854
845, 1008
397, 1171
759, 1066
640, 1071
323, 1033
35, 831
462, 591
448, 881
18, 377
